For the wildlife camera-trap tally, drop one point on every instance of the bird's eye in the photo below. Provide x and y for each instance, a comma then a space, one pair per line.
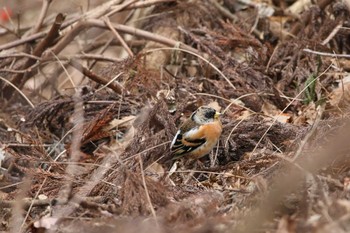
210, 114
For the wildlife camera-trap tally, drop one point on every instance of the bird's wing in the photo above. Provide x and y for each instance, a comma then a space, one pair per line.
184, 143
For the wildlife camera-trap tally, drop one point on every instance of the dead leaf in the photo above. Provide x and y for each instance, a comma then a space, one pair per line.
46, 223
124, 122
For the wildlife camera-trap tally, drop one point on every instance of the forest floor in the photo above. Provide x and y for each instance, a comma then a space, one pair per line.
93, 92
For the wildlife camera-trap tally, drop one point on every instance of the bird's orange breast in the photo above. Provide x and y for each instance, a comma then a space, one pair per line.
211, 132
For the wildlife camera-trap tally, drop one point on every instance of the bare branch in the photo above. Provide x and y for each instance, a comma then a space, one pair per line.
19, 79
45, 7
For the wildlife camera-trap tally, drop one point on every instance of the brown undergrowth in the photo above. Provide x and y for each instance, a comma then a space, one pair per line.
92, 98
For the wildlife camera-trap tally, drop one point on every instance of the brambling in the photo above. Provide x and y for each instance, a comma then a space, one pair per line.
197, 135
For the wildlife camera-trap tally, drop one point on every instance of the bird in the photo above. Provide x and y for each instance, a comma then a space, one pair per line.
198, 135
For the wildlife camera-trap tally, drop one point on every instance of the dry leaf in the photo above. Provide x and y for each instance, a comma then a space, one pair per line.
46, 223
283, 118
124, 122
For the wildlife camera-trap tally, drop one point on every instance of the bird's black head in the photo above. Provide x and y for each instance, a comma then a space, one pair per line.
204, 115
209, 113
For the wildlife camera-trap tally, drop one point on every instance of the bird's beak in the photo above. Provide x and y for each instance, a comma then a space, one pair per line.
217, 115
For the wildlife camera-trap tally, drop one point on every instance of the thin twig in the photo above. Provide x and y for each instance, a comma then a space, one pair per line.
20, 54
143, 4
45, 202
147, 149
119, 27
11, 21
141, 33
110, 81
65, 70
19, 91
225, 12
199, 56
6, 29
10, 185
102, 50
231, 132
90, 14
24, 71
327, 54
271, 57
23, 40
106, 8
114, 86
232, 102
119, 8
146, 192
310, 133
115, 32
332, 34
96, 57
32, 203
19, 80
39, 22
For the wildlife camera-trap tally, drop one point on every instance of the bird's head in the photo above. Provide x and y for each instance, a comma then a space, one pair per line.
204, 115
